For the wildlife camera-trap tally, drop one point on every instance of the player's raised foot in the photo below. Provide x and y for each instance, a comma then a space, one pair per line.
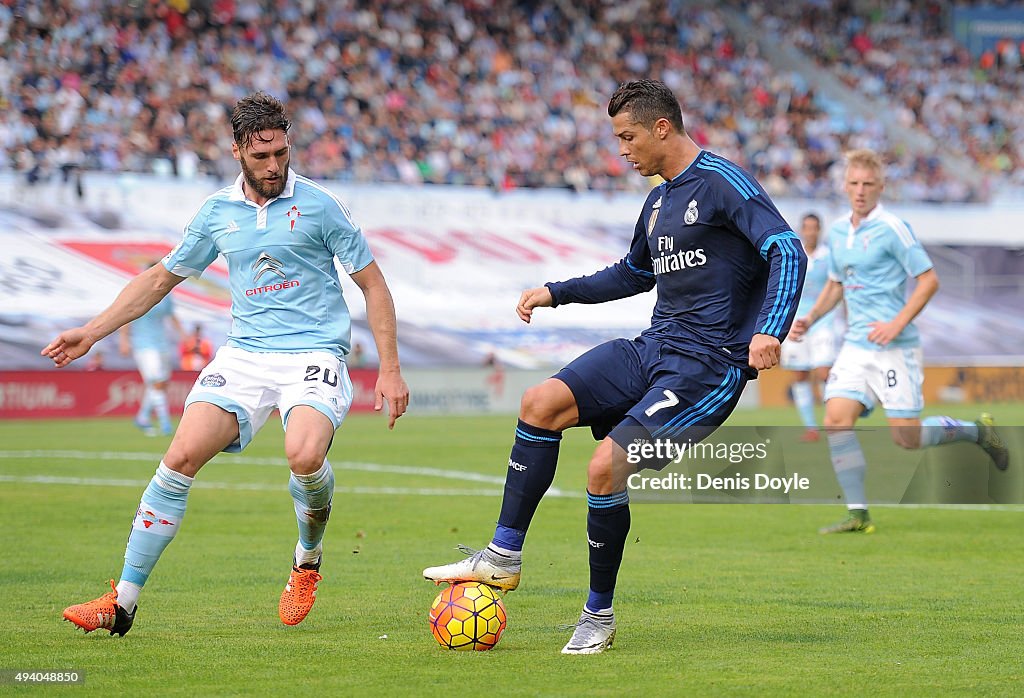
593, 633
487, 566
857, 522
145, 427
299, 593
103, 612
991, 442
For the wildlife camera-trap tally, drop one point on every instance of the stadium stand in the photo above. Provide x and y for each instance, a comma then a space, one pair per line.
460, 93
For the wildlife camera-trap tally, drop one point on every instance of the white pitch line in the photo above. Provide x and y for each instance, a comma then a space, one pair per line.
257, 486
235, 459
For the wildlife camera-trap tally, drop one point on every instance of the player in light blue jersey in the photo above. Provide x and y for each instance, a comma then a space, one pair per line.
810, 359
280, 234
150, 342
873, 254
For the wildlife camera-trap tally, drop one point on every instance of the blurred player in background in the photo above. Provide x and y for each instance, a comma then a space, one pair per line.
810, 359
291, 330
873, 254
728, 270
150, 341
195, 350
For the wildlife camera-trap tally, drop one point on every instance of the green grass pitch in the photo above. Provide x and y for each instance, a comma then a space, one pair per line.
712, 599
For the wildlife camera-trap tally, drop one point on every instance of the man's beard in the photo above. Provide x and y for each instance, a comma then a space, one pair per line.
260, 187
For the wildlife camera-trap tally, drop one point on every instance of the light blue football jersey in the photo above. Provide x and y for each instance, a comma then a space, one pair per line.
819, 265
873, 263
150, 331
285, 293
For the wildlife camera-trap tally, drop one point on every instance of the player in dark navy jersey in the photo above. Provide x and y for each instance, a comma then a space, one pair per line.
728, 270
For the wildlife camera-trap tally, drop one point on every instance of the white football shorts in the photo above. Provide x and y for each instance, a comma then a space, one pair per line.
154, 365
890, 377
252, 384
815, 350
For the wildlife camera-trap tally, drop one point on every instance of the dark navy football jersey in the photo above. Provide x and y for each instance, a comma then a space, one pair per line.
725, 263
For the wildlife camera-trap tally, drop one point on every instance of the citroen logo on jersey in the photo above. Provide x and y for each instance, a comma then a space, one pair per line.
265, 264
690, 217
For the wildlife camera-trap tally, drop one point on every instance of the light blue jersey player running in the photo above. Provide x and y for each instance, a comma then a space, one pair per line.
873, 254
280, 234
811, 358
150, 342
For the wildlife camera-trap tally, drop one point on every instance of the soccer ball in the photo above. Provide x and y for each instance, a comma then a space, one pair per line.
467, 616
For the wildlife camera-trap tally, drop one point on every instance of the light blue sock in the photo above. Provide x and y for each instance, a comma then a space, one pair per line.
160, 408
848, 462
142, 416
936, 431
156, 522
312, 495
803, 398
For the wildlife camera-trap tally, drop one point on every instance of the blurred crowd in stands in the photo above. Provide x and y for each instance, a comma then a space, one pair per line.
903, 54
487, 93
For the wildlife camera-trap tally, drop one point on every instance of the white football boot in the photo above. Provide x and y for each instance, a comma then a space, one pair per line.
486, 566
593, 634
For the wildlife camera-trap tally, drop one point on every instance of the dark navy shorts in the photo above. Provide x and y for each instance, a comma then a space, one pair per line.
641, 388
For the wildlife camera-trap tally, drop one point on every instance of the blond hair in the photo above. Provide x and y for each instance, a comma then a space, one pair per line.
867, 159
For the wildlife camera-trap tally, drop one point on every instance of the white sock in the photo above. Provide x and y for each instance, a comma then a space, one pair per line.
307, 557
128, 595
505, 552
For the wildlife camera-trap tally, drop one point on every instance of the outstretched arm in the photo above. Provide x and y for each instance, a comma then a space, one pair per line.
380, 313
134, 301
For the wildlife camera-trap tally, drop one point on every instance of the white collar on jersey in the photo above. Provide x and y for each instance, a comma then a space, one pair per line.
876, 212
238, 194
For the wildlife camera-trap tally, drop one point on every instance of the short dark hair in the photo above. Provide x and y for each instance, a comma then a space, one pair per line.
257, 112
812, 217
647, 101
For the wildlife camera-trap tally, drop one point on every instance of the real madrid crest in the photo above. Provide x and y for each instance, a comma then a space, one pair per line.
690, 217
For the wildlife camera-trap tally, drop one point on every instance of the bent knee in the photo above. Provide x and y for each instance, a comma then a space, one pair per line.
907, 438
549, 405
304, 458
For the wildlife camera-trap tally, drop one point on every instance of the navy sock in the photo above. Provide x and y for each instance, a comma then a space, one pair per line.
531, 468
607, 527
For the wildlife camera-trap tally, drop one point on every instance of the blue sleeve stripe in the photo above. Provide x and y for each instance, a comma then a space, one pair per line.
736, 171
728, 177
772, 239
707, 406
787, 288
637, 270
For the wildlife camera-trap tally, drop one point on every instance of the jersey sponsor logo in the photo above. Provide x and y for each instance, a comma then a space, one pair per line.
270, 288
684, 259
267, 264
690, 217
213, 380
